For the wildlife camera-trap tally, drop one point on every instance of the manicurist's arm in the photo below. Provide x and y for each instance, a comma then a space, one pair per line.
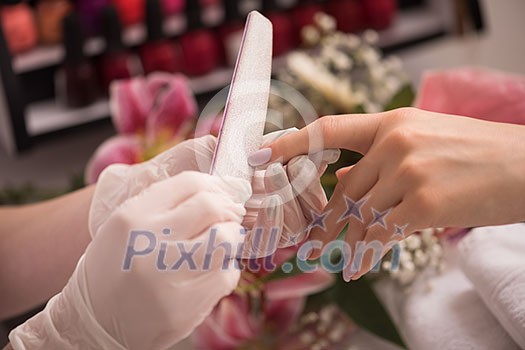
40, 245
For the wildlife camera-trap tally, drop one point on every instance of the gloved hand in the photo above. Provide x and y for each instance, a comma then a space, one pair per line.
148, 288
278, 214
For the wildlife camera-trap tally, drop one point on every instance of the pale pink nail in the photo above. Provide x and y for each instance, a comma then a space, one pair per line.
260, 157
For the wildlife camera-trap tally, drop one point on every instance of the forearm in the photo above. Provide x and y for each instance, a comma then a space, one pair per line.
40, 245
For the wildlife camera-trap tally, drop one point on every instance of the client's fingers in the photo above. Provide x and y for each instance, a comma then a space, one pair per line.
345, 205
263, 239
354, 132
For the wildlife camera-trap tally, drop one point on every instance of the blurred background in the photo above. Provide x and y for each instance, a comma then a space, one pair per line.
59, 57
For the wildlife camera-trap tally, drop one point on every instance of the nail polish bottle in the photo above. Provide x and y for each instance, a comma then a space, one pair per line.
158, 54
173, 7
303, 15
117, 62
200, 47
380, 13
130, 11
349, 14
76, 85
18, 24
49, 15
89, 11
231, 31
283, 30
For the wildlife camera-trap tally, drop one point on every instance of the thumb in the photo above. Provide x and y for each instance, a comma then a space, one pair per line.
354, 132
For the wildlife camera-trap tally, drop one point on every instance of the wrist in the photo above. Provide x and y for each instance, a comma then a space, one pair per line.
67, 322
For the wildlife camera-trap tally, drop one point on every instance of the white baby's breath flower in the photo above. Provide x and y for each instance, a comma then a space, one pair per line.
310, 35
420, 258
393, 63
371, 37
351, 41
326, 23
372, 107
413, 242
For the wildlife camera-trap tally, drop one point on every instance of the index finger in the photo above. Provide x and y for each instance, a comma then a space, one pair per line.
354, 132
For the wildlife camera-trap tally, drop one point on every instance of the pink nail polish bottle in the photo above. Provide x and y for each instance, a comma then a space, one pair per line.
18, 24
283, 30
200, 47
117, 62
158, 53
173, 7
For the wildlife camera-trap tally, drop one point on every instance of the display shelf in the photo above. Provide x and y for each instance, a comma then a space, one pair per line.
47, 56
49, 116
412, 25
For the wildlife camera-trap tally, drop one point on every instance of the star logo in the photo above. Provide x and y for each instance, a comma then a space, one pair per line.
318, 220
379, 218
400, 231
353, 209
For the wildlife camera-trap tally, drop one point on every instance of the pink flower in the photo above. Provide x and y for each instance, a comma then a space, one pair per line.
150, 114
159, 101
474, 92
125, 149
257, 309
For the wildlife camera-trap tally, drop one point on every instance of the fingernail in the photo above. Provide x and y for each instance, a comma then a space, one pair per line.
260, 157
349, 276
313, 254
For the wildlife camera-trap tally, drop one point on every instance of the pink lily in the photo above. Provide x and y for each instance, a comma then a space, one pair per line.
150, 114
234, 322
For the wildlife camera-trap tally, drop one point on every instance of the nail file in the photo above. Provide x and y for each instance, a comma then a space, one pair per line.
247, 103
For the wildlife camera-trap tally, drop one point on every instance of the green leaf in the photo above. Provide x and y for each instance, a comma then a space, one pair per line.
280, 273
404, 98
361, 304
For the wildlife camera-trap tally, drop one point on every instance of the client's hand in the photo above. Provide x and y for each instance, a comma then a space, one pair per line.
419, 170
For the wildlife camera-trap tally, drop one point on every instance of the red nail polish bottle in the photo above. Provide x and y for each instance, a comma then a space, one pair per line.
130, 11
76, 85
158, 54
380, 13
231, 31
173, 7
349, 14
283, 30
200, 47
303, 15
18, 24
117, 63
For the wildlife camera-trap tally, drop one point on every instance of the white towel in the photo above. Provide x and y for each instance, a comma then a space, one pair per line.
493, 259
443, 311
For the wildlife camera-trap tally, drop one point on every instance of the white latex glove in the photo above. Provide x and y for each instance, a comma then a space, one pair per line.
279, 211
105, 306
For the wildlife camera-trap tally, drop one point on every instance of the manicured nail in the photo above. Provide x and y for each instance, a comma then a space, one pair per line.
348, 276
314, 254
260, 157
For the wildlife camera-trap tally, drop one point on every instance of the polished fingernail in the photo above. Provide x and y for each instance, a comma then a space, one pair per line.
260, 157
